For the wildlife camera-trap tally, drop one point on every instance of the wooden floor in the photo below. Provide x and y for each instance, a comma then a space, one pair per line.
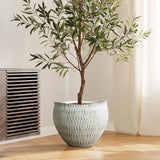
110, 147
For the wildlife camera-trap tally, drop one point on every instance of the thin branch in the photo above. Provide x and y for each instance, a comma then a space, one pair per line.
80, 40
90, 59
92, 51
76, 58
75, 46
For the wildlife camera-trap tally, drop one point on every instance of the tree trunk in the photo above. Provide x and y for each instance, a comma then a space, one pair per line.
80, 94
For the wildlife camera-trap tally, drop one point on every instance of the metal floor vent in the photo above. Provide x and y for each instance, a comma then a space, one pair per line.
19, 103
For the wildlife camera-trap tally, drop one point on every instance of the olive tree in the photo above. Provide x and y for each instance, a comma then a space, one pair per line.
76, 23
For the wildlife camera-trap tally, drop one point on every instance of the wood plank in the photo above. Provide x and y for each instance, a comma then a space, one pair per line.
111, 146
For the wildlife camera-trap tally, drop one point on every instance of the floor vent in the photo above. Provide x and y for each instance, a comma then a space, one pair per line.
19, 103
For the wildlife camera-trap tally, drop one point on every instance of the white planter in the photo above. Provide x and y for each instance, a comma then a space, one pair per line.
80, 125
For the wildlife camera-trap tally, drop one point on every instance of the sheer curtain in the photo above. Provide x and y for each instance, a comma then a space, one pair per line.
150, 112
137, 85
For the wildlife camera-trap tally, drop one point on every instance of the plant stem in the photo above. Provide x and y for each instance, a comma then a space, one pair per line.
80, 94
90, 55
79, 55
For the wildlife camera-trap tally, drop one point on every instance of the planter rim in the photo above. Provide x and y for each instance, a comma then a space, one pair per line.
88, 102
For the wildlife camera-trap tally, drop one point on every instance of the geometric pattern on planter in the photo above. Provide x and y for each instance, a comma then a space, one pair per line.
80, 125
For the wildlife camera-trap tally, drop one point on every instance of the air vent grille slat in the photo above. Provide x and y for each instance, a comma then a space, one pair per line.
24, 102
21, 108
24, 132
15, 78
28, 88
21, 129
22, 99
22, 105
21, 119
22, 126
23, 92
22, 112
31, 94
22, 122
20, 116
22, 85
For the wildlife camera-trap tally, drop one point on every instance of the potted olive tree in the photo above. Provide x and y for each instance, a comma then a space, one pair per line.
88, 27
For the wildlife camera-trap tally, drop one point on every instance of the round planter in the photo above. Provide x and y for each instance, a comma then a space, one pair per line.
80, 125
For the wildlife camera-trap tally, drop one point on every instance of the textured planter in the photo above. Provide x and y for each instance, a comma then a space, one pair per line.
80, 125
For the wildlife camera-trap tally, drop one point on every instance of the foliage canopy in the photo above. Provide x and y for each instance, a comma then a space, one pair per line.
93, 23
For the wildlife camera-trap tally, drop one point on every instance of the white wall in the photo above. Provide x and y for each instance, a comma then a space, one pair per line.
100, 82
15, 46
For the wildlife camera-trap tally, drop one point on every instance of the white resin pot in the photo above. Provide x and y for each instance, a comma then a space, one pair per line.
81, 125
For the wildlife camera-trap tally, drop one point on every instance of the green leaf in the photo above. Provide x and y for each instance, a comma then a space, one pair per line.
32, 30
39, 64
44, 41
45, 66
55, 56
47, 56
92, 39
125, 30
27, 12
61, 72
54, 25
57, 3
65, 73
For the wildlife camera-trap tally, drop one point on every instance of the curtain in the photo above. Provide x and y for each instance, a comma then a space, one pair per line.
137, 85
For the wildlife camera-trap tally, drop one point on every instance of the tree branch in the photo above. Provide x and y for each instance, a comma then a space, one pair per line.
90, 59
90, 55
75, 46
80, 39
